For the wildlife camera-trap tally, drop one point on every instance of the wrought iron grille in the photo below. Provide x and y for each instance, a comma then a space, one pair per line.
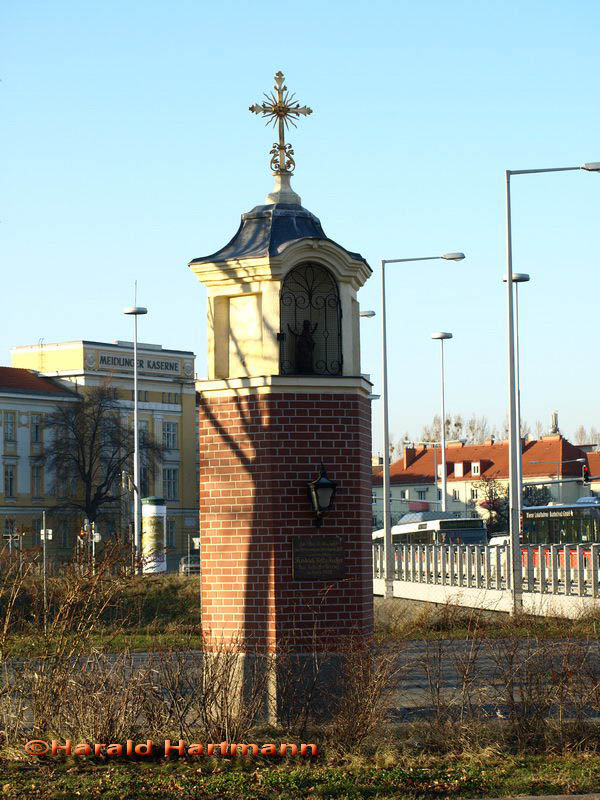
311, 322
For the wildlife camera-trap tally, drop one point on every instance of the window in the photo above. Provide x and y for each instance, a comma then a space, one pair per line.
144, 481
171, 483
373, 498
404, 494
143, 430
36, 527
476, 468
36, 427
9, 426
9, 526
459, 469
170, 533
142, 396
170, 435
439, 492
37, 480
455, 494
474, 494
9, 480
169, 397
421, 494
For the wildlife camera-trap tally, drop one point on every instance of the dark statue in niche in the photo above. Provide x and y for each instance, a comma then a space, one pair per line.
304, 347
310, 322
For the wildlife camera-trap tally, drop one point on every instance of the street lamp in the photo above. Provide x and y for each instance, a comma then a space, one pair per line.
514, 520
367, 313
559, 471
441, 335
135, 312
518, 277
387, 535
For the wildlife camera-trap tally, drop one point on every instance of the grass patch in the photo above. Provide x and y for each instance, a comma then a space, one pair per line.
400, 620
239, 779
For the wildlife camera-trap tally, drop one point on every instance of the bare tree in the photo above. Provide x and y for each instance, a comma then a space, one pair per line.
477, 429
495, 502
539, 429
88, 448
581, 435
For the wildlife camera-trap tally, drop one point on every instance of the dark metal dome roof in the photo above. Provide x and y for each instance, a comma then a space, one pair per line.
265, 231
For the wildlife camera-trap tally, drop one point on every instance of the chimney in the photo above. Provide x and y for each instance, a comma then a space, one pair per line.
409, 456
554, 423
376, 461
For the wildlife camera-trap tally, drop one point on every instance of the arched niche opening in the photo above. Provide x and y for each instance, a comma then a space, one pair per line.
310, 322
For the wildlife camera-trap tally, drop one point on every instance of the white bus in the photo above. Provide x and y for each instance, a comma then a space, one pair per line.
436, 527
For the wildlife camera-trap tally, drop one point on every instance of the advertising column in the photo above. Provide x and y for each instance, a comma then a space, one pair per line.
154, 535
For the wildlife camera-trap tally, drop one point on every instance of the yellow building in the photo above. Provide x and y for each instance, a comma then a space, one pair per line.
166, 409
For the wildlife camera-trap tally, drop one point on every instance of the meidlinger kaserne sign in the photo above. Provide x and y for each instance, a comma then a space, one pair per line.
147, 363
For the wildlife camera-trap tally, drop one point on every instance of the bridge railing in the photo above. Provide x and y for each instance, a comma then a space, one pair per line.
569, 569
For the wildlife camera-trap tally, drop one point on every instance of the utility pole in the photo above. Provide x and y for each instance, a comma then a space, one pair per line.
44, 572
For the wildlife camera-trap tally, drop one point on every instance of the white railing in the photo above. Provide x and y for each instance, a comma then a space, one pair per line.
570, 569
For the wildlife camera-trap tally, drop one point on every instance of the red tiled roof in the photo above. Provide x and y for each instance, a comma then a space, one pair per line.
493, 460
25, 380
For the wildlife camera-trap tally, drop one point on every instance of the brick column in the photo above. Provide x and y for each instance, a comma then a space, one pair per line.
258, 449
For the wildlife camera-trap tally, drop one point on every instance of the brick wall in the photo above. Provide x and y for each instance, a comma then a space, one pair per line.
257, 454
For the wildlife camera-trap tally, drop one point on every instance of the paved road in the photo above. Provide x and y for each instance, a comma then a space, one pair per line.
429, 674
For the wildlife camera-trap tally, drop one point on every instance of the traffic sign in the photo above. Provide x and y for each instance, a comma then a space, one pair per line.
196, 541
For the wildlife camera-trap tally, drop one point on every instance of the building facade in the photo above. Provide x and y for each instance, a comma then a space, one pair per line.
415, 479
25, 399
166, 410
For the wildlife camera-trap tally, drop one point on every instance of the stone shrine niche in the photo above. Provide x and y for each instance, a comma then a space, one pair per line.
310, 335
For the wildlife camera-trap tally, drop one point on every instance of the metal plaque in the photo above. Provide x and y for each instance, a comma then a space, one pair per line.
318, 558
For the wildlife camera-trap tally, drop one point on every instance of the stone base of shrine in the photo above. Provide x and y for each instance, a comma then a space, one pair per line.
279, 689
290, 598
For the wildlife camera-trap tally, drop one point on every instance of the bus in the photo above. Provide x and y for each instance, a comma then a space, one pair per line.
562, 524
436, 527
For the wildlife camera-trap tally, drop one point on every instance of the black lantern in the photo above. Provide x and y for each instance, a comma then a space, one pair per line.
321, 493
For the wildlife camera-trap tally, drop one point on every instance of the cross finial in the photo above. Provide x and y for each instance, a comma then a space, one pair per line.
281, 109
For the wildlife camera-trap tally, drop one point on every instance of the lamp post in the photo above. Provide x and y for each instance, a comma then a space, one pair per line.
514, 502
387, 536
441, 335
135, 312
558, 465
518, 277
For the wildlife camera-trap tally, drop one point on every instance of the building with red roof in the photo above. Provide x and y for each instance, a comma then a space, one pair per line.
25, 397
415, 479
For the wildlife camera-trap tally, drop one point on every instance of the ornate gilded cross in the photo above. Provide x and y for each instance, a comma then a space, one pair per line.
283, 111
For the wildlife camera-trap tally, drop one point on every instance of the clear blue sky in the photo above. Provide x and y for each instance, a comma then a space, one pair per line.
128, 149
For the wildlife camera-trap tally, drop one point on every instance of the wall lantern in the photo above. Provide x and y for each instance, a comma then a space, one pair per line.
321, 493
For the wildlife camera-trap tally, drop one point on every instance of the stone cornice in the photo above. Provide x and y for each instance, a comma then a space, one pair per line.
285, 384
273, 268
